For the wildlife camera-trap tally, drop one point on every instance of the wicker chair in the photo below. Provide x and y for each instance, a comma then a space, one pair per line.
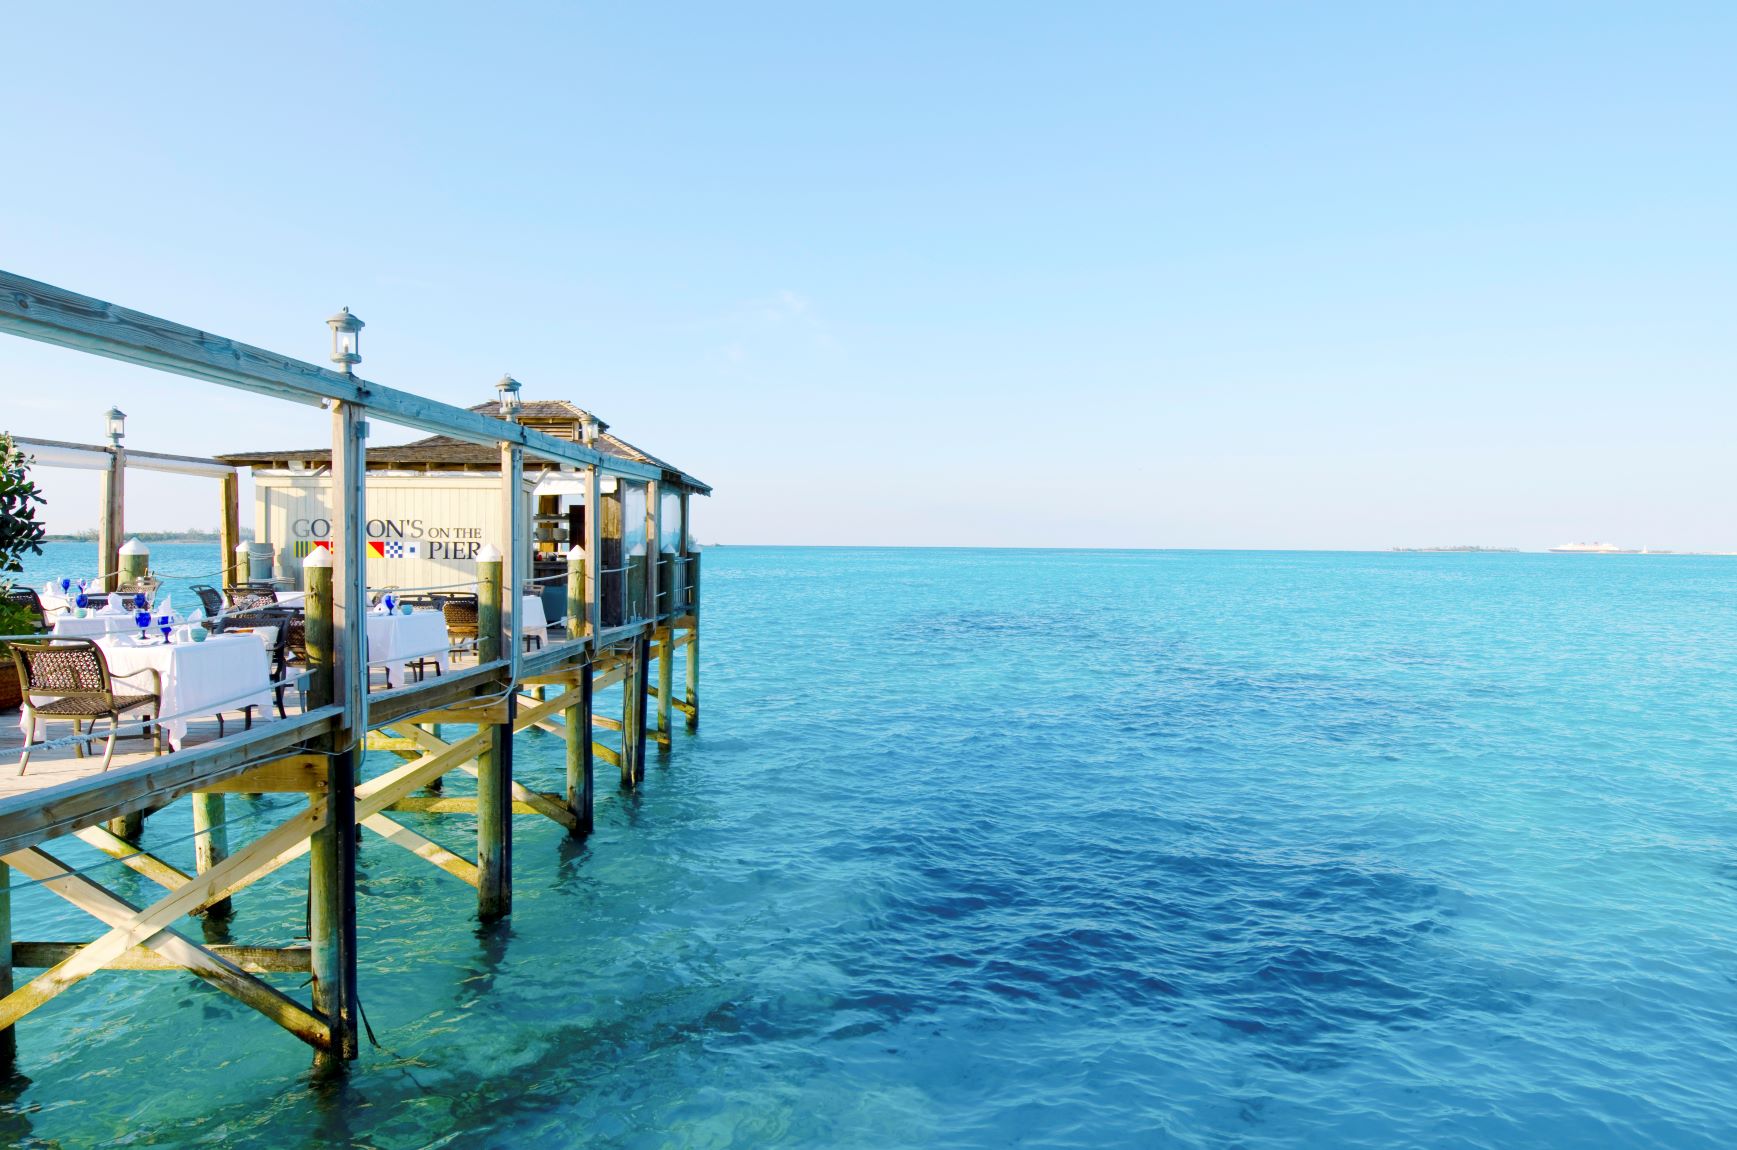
461, 623
250, 597
75, 677
29, 597
209, 599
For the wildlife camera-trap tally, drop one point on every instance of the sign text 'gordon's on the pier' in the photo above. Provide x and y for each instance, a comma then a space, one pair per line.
395, 538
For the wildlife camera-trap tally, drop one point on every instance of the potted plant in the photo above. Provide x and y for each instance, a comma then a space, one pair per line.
20, 534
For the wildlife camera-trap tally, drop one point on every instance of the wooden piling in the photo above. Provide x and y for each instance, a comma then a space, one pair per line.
665, 685
111, 520
332, 847
229, 529
211, 842
494, 804
581, 781
693, 660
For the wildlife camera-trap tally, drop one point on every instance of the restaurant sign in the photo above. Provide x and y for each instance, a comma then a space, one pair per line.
394, 539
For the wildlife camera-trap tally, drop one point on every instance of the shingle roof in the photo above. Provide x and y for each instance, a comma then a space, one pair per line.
445, 451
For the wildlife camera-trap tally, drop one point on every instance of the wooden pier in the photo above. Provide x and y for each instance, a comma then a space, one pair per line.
630, 619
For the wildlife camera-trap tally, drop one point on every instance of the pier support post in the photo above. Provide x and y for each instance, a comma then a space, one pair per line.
693, 661
581, 780
8, 1036
633, 711
332, 849
665, 684
130, 826
494, 780
211, 842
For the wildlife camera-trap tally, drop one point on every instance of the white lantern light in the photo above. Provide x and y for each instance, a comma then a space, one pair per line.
346, 340
117, 425
511, 404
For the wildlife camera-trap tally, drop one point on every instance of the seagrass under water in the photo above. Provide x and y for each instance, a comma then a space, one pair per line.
1047, 848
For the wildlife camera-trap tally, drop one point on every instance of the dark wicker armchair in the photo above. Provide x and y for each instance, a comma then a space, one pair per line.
461, 623
250, 597
209, 599
73, 676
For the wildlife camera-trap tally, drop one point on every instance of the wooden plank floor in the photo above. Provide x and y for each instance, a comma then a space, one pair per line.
63, 764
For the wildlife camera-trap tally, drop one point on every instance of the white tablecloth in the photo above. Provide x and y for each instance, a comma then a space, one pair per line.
224, 673
533, 622
94, 626
394, 640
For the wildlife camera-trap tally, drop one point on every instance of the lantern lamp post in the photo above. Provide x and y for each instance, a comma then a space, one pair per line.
511, 404
346, 340
117, 425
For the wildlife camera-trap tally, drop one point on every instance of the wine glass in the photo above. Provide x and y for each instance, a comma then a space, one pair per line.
141, 603
143, 619
391, 603
166, 623
65, 585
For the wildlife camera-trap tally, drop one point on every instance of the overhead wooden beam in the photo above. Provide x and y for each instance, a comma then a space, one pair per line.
49, 314
93, 457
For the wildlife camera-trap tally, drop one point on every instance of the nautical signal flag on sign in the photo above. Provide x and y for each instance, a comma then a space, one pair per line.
307, 547
393, 549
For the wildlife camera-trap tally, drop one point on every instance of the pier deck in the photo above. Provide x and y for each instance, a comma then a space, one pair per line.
632, 615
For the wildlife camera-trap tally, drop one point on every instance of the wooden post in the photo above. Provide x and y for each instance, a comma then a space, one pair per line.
211, 842
229, 529
111, 520
8, 1036
135, 563
494, 780
576, 728
653, 546
594, 559
633, 711
516, 564
665, 684
581, 777
693, 661
349, 570
332, 849
641, 680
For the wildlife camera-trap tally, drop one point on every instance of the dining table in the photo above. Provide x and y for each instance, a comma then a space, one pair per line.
224, 673
96, 624
532, 620
396, 640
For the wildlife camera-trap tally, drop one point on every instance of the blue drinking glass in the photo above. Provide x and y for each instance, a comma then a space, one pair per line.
82, 601
143, 619
65, 585
140, 603
165, 623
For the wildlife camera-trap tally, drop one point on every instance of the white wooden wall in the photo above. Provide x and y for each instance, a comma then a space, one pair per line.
446, 518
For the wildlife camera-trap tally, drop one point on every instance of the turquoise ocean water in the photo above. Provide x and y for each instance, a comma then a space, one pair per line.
991, 848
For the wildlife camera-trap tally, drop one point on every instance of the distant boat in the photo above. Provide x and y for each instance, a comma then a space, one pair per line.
1594, 549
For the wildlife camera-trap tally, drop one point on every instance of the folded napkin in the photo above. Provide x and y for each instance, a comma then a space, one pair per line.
380, 609
112, 607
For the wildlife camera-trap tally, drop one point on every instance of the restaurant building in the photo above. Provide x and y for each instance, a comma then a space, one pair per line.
433, 504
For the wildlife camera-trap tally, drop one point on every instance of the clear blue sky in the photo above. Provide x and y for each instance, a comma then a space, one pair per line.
1247, 275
